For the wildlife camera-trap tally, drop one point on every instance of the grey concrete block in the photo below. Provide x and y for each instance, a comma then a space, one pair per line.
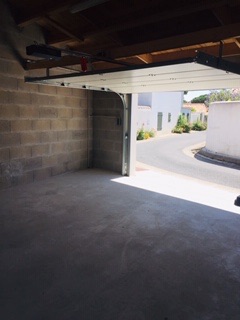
30, 137
5, 126
9, 111
21, 125
48, 112
50, 136
29, 112
9, 139
4, 154
32, 163
20, 152
42, 174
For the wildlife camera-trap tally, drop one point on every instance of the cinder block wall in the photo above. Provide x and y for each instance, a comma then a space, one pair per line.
44, 131
107, 131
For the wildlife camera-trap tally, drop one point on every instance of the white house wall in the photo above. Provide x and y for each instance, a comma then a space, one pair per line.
145, 99
150, 104
144, 118
223, 129
166, 102
193, 116
186, 112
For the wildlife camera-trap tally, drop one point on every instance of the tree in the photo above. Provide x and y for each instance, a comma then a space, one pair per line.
200, 99
224, 95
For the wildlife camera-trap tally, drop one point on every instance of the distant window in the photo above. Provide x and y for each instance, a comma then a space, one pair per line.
159, 121
169, 117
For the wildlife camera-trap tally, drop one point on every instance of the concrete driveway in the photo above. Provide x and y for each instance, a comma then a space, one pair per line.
94, 245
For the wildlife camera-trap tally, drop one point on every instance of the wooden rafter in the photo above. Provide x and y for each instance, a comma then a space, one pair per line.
59, 27
146, 58
178, 41
157, 17
37, 13
237, 42
141, 32
223, 14
161, 16
212, 49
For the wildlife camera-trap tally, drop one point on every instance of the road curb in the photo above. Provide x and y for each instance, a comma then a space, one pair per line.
219, 157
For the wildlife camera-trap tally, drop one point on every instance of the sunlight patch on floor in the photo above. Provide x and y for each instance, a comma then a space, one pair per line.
185, 188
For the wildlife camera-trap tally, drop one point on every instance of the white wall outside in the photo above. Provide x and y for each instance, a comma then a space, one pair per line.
193, 116
165, 102
145, 99
223, 130
143, 116
187, 112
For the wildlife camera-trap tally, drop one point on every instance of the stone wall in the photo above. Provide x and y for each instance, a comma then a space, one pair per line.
107, 131
44, 130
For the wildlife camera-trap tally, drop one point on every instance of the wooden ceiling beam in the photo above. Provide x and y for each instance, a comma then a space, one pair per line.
223, 14
59, 40
146, 58
237, 42
178, 41
229, 50
37, 14
160, 16
64, 30
85, 4
138, 22
26, 19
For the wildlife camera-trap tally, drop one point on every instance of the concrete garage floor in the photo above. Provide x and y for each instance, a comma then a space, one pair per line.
94, 245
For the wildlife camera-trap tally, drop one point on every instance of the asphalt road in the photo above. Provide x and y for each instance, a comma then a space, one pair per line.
173, 153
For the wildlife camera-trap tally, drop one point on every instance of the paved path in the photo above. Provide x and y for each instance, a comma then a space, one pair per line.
173, 153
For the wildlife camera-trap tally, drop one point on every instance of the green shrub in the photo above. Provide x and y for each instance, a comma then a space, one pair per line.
187, 128
199, 126
182, 121
177, 129
145, 134
140, 134
182, 125
152, 133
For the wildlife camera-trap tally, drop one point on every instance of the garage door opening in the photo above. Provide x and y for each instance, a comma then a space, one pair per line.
195, 73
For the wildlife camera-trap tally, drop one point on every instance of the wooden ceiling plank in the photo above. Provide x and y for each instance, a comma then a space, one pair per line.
64, 30
86, 4
237, 42
146, 58
55, 7
194, 38
62, 40
213, 49
223, 14
161, 16
25, 20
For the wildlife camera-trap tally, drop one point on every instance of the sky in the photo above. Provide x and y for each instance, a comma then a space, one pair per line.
193, 94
